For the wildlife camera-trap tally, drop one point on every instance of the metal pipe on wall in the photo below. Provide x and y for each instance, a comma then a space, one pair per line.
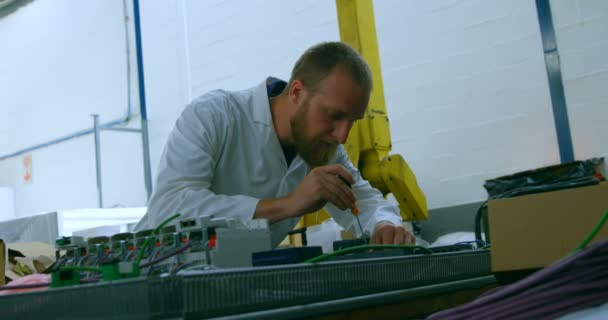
65, 138
142, 100
107, 125
98, 160
112, 125
554, 77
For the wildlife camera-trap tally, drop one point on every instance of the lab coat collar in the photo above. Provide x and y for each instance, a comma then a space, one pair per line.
261, 115
261, 105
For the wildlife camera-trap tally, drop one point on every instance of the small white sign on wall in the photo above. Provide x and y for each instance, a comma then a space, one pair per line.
27, 169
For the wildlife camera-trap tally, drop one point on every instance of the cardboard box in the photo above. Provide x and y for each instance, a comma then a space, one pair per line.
2, 261
536, 230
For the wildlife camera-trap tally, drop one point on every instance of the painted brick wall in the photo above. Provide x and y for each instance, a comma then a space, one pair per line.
581, 29
466, 91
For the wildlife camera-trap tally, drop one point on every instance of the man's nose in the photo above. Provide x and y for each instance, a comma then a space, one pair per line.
341, 131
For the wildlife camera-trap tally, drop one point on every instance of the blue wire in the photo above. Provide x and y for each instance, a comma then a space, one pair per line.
182, 267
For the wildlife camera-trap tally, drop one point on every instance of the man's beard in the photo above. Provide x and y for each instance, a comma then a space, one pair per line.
315, 152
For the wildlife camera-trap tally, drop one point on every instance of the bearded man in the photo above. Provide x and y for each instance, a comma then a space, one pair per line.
275, 152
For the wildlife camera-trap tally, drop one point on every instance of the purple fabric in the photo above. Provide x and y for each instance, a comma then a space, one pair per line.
548, 300
572, 283
552, 311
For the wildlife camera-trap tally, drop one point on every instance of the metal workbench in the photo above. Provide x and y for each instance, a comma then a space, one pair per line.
291, 291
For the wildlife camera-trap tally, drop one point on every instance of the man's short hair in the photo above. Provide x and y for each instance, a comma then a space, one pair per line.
318, 61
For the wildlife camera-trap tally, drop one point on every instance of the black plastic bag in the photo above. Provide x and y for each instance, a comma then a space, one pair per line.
559, 174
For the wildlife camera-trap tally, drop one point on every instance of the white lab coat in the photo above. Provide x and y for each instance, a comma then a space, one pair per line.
223, 156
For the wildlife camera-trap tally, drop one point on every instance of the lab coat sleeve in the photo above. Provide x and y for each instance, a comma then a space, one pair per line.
373, 208
186, 169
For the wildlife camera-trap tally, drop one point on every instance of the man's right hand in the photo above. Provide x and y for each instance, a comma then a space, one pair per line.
321, 186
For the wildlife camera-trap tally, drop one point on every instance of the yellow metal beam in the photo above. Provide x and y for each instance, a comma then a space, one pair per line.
358, 29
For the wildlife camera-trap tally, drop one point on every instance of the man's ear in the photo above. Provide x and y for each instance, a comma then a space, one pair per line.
297, 92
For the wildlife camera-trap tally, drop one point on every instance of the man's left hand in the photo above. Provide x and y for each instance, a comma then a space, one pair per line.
388, 233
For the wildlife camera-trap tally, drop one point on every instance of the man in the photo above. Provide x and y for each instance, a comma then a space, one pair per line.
275, 152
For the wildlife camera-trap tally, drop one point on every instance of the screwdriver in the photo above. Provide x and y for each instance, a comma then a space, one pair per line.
355, 209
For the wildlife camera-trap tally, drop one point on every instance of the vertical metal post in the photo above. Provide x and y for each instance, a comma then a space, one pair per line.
142, 100
556, 86
97, 159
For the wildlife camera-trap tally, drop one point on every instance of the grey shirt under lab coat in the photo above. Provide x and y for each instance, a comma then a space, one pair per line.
223, 156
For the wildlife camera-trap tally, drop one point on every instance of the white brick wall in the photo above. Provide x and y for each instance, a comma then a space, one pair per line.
235, 45
466, 91
165, 57
582, 40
